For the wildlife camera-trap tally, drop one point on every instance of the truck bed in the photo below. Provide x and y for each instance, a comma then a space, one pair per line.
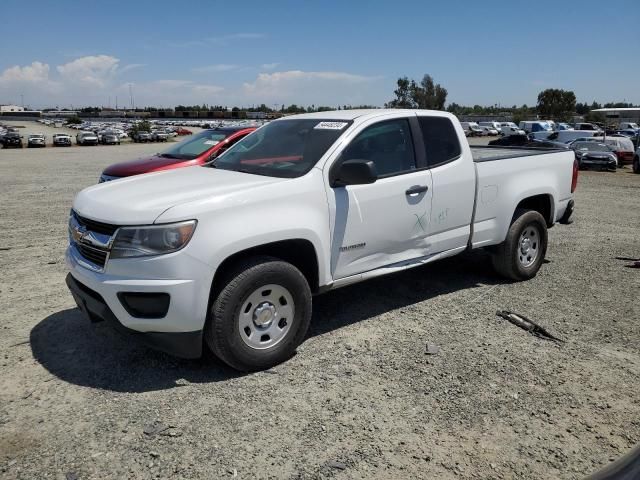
490, 153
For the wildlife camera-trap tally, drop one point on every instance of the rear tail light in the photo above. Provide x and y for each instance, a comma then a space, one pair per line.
574, 178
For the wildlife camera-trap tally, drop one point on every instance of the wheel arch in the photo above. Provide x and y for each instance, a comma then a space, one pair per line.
299, 252
541, 203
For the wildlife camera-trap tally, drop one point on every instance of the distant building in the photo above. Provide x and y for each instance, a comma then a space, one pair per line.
10, 108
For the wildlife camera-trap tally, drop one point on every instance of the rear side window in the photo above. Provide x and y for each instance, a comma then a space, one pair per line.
440, 140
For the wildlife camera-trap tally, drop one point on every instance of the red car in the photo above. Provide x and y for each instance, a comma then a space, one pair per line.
195, 150
182, 131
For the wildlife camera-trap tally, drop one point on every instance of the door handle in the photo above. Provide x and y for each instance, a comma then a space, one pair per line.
417, 189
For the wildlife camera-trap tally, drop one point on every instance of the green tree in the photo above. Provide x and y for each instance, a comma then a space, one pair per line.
428, 94
143, 126
556, 104
425, 94
75, 120
403, 95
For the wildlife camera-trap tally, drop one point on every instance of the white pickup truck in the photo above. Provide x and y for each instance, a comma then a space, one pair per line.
228, 255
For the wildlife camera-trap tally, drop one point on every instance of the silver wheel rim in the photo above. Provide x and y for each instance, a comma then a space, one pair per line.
529, 246
266, 316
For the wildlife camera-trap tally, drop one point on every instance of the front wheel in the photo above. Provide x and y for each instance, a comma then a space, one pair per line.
636, 165
260, 315
520, 256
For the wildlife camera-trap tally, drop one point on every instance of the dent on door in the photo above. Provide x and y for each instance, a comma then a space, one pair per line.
380, 224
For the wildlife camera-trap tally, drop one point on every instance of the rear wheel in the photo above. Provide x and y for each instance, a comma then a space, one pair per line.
520, 256
260, 315
636, 165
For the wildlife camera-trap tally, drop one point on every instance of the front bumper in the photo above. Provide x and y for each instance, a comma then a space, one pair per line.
598, 162
91, 303
186, 280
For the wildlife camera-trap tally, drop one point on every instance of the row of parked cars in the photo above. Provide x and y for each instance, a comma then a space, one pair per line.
592, 152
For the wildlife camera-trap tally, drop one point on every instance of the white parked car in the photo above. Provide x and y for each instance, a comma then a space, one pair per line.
628, 126
509, 130
495, 125
61, 140
489, 130
228, 255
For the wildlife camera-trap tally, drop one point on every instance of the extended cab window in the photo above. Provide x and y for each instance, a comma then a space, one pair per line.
283, 148
440, 140
387, 144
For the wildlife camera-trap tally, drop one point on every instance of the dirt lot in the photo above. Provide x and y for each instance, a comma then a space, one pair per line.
361, 399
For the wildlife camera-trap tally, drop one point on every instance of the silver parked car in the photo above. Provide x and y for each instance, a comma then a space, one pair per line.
159, 136
109, 137
86, 138
36, 140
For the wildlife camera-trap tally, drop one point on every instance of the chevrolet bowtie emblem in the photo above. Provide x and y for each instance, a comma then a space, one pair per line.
79, 234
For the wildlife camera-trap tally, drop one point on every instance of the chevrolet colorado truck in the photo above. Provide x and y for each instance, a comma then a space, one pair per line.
228, 255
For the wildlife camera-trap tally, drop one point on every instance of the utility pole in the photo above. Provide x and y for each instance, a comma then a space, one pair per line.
22, 100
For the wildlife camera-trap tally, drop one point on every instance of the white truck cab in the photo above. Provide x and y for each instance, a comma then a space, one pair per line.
227, 256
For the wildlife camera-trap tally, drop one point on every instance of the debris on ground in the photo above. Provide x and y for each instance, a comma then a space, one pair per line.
528, 325
155, 428
337, 465
432, 349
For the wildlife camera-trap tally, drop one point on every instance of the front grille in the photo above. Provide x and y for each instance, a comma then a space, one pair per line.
94, 226
93, 254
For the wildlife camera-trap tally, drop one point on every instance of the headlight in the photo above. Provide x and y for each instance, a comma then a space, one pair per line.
152, 240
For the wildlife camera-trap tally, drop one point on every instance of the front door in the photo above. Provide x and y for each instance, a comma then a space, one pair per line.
385, 222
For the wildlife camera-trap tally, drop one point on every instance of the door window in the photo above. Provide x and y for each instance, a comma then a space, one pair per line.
440, 140
387, 144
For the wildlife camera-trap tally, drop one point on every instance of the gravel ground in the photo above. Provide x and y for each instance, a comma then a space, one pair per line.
361, 399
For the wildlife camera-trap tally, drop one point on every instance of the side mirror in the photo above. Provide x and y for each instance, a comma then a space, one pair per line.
354, 172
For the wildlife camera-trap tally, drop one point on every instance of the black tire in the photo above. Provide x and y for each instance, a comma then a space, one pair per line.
508, 256
222, 331
636, 165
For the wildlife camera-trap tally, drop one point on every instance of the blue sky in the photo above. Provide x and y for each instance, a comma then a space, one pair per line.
314, 52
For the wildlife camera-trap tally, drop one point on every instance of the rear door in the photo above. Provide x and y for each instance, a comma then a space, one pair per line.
385, 222
453, 184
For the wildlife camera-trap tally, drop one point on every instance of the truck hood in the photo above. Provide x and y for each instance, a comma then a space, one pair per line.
144, 165
140, 200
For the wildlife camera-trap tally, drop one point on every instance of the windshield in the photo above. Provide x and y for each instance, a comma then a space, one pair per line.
195, 145
591, 147
284, 148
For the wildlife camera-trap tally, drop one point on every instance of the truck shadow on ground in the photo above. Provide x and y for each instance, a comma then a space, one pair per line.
94, 355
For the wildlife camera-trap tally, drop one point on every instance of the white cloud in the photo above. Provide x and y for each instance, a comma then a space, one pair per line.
220, 40
269, 66
92, 71
171, 92
36, 73
220, 67
326, 88
237, 36
131, 66
93, 79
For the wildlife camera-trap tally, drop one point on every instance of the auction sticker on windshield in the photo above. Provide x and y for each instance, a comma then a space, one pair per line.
330, 125
211, 142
